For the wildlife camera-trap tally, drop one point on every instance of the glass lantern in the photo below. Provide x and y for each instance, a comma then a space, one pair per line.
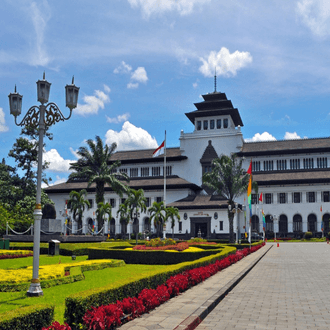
15, 103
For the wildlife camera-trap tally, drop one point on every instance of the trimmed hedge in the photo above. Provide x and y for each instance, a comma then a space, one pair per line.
149, 257
27, 318
69, 249
77, 304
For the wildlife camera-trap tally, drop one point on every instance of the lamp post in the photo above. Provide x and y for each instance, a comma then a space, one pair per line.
274, 220
236, 210
41, 116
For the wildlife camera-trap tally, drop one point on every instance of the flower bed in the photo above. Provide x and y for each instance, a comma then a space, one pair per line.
46, 272
108, 316
12, 254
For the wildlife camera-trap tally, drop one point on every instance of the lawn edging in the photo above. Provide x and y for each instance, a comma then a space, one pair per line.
76, 305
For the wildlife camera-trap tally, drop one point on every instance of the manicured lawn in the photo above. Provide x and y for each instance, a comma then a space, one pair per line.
57, 294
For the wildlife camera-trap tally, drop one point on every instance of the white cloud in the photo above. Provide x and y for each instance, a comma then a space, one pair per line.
226, 64
195, 84
140, 75
123, 68
74, 152
292, 136
315, 14
131, 137
93, 102
132, 85
3, 127
149, 7
53, 183
265, 136
57, 162
40, 17
106, 88
118, 119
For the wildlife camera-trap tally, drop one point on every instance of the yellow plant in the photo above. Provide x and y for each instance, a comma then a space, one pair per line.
46, 272
20, 252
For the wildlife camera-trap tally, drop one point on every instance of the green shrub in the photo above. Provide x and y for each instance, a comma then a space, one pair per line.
308, 235
77, 304
149, 257
27, 318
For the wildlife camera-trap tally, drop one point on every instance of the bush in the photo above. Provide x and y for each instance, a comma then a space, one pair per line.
308, 235
77, 304
27, 318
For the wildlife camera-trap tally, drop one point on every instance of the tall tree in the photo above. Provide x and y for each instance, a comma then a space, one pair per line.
124, 215
103, 209
25, 154
158, 214
93, 166
77, 204
135, 202
229, 180
172, 213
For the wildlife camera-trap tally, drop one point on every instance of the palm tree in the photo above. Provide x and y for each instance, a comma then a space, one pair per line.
172, 213
103, 209
157, 213
77, 204
93, 166
229, 180
124, 214
135, 202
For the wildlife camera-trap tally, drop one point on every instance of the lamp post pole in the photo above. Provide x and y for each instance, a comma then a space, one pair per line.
41, 116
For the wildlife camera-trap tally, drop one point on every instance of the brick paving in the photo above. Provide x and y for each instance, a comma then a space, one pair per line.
186, 310
288, 289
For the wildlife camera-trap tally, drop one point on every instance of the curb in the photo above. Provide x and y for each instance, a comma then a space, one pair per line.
193, 320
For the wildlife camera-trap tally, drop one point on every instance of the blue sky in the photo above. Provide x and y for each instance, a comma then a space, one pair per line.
141, 64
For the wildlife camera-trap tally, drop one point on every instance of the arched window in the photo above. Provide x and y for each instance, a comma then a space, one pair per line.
112, 226
123, 226
311, 221
255, 223
283, 224
297, 223
147, 226
326, 219
136, 226
269, 223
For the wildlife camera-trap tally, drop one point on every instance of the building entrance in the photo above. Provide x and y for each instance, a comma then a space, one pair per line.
202, 227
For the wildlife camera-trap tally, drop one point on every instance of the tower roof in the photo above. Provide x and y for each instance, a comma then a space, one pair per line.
215, 104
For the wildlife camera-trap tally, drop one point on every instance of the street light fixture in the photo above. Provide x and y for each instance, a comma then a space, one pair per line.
43, 116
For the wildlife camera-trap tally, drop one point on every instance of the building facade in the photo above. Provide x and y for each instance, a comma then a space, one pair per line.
292, 175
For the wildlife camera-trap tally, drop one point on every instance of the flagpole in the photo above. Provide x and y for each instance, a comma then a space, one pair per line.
164, 233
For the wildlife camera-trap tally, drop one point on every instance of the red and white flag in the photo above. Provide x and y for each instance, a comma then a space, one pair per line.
159, 151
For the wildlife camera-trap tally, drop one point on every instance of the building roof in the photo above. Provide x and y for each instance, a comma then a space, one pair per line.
297, 146
292, 177
147, 183
145, 156
215, 104
201, 202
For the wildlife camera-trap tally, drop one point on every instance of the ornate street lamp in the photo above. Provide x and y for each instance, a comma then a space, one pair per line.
42, 116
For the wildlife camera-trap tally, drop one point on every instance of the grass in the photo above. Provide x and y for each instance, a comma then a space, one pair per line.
56, 295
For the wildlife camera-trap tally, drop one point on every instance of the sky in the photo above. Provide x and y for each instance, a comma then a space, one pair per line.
142, 64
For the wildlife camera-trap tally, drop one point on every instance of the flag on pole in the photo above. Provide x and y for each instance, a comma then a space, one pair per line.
260, 198
249, 171
159, 151
263, 219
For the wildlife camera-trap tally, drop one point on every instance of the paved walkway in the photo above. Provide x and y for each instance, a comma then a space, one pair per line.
288, 289
188, 309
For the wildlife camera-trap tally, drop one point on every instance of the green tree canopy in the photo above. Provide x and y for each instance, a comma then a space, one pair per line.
172, 213
229, 180
158, 213
77, 204
94, 166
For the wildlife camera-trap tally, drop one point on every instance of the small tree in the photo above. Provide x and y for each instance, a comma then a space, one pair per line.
158, 214
77, 204
172, 213
229, 180
103, 209
124, 214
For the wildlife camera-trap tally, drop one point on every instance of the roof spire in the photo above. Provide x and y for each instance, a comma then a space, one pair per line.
215, 79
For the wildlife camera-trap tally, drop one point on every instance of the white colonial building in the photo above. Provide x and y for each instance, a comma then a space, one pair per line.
293, 177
